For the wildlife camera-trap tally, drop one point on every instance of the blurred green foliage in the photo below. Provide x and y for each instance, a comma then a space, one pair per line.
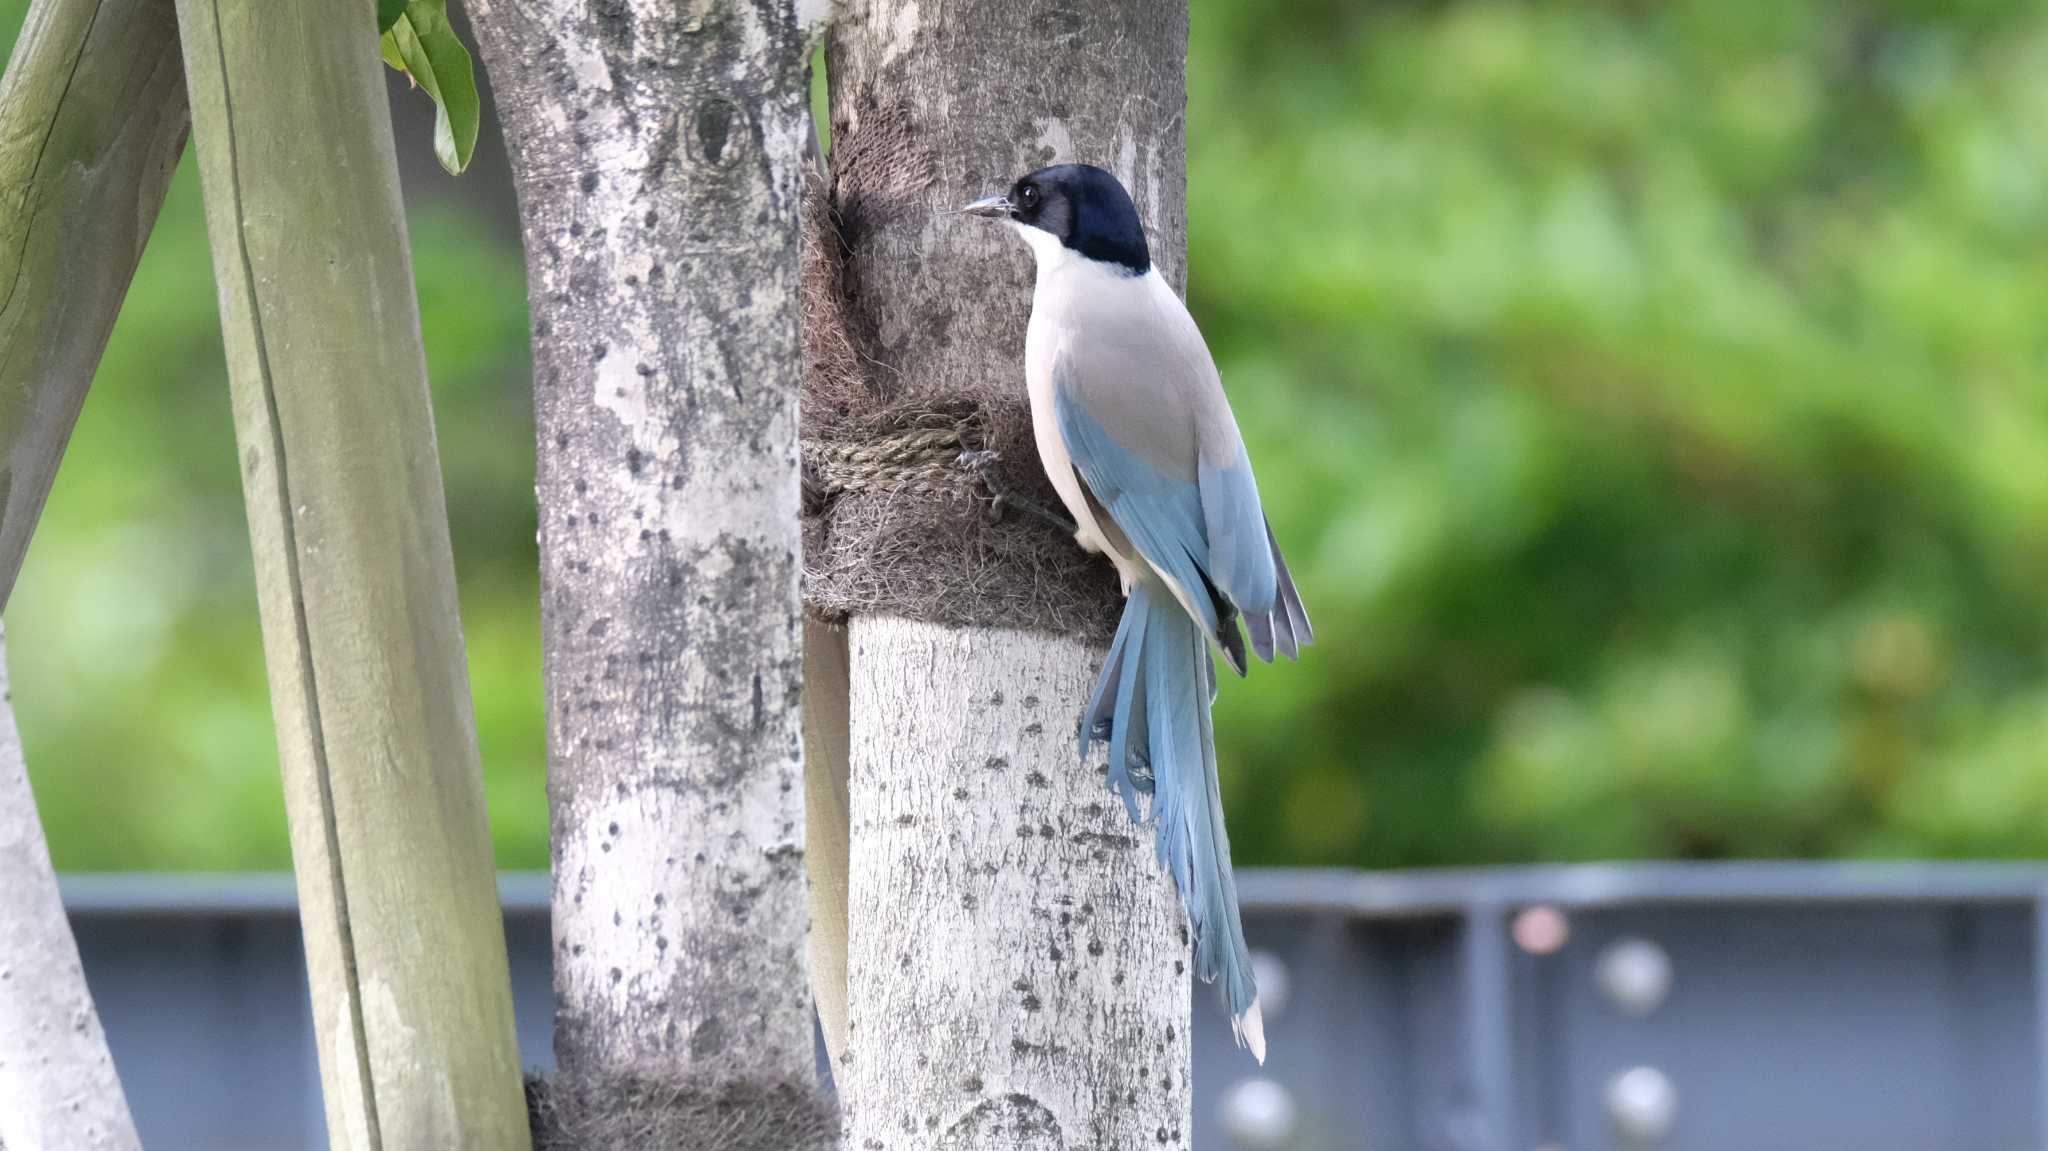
1652, 398
1653, 395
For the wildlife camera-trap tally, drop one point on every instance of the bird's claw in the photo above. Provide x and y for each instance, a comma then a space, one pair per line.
983, 463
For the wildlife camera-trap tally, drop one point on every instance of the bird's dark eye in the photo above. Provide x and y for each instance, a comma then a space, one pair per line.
1029, 196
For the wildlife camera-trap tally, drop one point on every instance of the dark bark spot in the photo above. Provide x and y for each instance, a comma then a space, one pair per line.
708, 1039
589, 182
714, 128
634, 460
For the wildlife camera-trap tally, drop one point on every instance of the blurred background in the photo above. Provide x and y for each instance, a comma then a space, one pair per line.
1651, 398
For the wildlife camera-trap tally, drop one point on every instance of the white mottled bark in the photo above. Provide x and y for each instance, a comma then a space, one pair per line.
658, 149
58, 1090
1017, 968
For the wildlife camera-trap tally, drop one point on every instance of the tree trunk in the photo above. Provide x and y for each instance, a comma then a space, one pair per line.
1004, 910
405, 942
58, 1090
658, 149
1002, 907
92, 120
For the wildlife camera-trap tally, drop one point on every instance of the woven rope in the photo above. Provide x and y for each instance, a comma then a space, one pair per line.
921, 461
909, 486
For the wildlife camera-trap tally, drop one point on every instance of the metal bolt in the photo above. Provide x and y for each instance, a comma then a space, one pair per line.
1270, 973
1259, 1114
1541, 930
1635, 975
1643, 1105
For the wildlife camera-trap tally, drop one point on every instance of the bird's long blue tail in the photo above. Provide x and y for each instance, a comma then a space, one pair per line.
1151, 704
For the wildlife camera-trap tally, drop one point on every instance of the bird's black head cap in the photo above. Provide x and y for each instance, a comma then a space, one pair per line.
1087, 210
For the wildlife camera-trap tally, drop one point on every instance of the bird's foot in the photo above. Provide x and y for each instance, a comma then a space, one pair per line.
983, 464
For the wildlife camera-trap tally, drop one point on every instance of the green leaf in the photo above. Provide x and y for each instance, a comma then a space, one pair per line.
422, 44
388, 12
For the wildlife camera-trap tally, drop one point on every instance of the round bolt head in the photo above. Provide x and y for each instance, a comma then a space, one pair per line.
1643, 1105
1541, 929
1260, 1115
1635, 975
1270, 973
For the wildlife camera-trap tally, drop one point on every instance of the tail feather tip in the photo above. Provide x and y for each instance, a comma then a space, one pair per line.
1250, 1029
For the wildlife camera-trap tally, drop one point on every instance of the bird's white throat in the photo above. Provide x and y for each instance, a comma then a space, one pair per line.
1045, 246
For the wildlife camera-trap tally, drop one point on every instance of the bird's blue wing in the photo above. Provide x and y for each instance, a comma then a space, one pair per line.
1145, 421
1240, 561
1160, 514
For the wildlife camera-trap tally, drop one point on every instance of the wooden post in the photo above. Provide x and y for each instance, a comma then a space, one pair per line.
58, 1090
405, 943
827, 728
1002, 907
659, 151
92, 120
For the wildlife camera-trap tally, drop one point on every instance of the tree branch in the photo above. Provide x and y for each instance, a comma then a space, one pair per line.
58, 1089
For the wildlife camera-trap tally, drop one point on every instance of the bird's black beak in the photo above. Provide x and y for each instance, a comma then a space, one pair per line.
993, 207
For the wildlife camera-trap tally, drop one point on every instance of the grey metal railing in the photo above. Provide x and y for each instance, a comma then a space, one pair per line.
1725, 1007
